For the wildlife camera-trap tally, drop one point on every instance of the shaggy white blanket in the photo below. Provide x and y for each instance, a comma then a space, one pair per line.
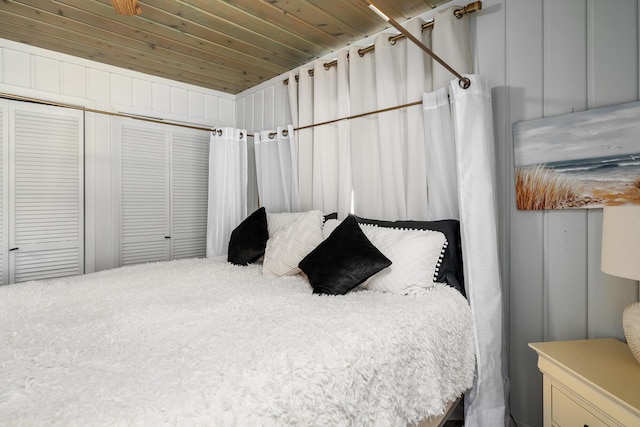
198, 342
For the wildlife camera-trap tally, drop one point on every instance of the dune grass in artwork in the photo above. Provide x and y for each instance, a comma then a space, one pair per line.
538, 187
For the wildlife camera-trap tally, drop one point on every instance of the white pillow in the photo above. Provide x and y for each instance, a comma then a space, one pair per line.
415, 257
287, 246
329, 226
280, 221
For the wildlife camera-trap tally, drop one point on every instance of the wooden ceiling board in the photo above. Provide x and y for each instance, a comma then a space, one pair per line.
274, 18
322, 16
48, 22
206, 14
172, 37
212, 39
71, 47
226, 45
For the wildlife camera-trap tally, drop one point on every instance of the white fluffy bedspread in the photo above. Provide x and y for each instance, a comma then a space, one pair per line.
203, 342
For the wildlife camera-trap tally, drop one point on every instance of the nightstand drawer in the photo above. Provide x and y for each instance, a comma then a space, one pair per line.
566, 412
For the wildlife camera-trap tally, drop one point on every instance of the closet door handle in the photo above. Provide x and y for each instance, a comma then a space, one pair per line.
167, 237
13, 249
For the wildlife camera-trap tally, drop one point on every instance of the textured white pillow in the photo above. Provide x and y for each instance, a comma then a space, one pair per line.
280, 221
329, 226
287, 246
415, 257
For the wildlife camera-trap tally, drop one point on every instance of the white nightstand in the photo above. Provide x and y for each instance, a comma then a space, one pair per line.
589, 383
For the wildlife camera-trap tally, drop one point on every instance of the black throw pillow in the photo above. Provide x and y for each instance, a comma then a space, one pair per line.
342, 261
249, 239
450, 270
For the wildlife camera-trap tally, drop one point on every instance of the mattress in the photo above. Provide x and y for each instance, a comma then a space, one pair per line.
204, 342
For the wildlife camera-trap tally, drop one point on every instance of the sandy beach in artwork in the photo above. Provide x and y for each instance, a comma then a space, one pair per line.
612, 193
539, 187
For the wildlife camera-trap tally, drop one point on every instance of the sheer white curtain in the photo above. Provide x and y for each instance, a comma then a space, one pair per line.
227, 187
433, 162
441, 155
388, 152
460, 154
277, 170
324, 154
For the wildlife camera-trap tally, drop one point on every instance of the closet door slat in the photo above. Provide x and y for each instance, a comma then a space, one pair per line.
144, 216
190, 175
46, 200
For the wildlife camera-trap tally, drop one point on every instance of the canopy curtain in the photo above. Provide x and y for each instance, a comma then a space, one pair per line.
324, 154
428, 163
472, 126
227, 187
460, 167
277, 170
389, 170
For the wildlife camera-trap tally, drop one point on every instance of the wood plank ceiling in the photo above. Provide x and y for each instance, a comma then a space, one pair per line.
226, 45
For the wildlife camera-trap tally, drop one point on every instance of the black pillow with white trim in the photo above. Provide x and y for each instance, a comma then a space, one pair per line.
450, 270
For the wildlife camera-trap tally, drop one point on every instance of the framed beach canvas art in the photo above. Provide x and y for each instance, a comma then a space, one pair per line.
589, 159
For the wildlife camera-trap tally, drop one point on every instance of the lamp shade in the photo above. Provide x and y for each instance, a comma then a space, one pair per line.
621, 241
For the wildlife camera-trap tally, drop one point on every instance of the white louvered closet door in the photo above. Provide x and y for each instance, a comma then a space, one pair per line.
144, 193
189, 190
4, 182
46, 206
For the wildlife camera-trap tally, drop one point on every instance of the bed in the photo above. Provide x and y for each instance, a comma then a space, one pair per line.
207, 342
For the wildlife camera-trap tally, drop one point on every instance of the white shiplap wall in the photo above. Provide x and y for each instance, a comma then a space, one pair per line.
43, 74
543, 58
563, 57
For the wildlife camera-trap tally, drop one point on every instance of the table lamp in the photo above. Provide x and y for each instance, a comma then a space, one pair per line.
621, 257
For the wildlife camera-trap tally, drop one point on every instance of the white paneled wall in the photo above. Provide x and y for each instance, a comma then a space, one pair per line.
563, 57
42, 74
543, 58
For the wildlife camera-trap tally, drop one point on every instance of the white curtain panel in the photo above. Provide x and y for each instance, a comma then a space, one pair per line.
451, 42
395, 74
475, 152
331, 152
365, 154
440, 155
379, 146
304, 137
419, 70
227, 187
434, 162
462, 185
277, 170
460, 168
324, 154
460, 161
